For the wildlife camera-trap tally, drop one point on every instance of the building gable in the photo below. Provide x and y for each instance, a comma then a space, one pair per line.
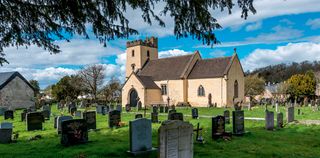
7, 77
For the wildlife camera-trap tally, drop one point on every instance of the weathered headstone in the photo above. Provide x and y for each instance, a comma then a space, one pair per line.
46, 114
238, 122
23, 116
60, 120
119, 108
290, 114
73, 110
155, 109
140, 136
74, 132
280, 120
2, 110
55, 122
176, 116
269, 120
114, 118
34, 121
8, 114
226, 114
171, 112
78, 114
103, 110
46, 107
139, 105
299, 111
154, 117
128, 108
99, 109
5, 132
90, 117
166, 109
194, 113
138, 116
161, 109
175, 139
218, 126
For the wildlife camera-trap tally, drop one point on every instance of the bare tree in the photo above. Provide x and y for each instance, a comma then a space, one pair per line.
112, 91
92, 76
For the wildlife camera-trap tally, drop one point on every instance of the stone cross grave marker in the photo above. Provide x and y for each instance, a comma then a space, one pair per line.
114, 118
5, 132
60, 120
175, 139
226, 114
176, 116
218, 127
290, 114
138, 116
269, 120
34, 121
90, 117
199, 137
154, 117
280, 120
74, 132
140, 131
8, 114
194, 112
238, 122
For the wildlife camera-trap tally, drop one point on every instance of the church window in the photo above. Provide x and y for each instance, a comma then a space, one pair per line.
132, 53
164, 89
132, 66
148, 54
201, 91
235, 89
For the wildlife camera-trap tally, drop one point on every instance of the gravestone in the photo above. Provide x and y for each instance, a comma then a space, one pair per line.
78, 114
114, 118
166, 109
280, 120
46, 114
73, 110
55, 122
72, 105
23, 116
290, 114
154, 117
8, 114
34, 121
218, 126
5, 132
103, 110
119, 108
175, 139
74, 132
194, 112
90, 117
128, 108
60, 119
171, 112
139, 105
46, 107
99, 109
176, 116
138, 116
2, 110
161, 109
238, 122
226, 114
155, 109
299, 111
269, 120
140, 136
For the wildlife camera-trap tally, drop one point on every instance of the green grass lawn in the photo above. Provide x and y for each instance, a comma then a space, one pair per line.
292, 141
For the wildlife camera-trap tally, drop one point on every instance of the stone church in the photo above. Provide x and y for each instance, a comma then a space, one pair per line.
186, 79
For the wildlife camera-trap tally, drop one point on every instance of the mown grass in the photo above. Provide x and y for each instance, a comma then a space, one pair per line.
292, 141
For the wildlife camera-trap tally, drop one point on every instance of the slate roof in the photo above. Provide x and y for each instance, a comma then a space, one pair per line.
210, 68
6, 77
166, 68
148, 82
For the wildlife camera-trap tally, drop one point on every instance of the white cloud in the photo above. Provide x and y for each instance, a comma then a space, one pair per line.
314, 23
218, 53
254, 26
172, 52
292, 52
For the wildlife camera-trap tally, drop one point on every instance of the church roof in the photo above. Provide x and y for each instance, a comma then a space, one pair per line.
166, 68
210, 68
6, 77
148, 82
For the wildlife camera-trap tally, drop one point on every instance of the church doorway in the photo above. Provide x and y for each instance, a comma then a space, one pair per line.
133, 98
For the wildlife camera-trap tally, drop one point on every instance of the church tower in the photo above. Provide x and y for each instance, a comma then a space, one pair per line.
138, 52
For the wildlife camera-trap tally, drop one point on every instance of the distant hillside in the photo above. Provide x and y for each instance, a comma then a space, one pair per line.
281, 72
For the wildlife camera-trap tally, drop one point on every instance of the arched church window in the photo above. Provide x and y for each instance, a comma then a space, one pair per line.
148, 53
236, 89
201, 91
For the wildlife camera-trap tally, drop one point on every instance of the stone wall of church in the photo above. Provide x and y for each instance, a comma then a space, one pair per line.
215, 86
175, 90
235, 73
17, 94
153, 97
133, 83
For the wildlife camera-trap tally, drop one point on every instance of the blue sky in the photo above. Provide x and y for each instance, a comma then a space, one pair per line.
280, 32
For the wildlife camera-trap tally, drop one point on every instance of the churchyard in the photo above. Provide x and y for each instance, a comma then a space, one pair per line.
293, 140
